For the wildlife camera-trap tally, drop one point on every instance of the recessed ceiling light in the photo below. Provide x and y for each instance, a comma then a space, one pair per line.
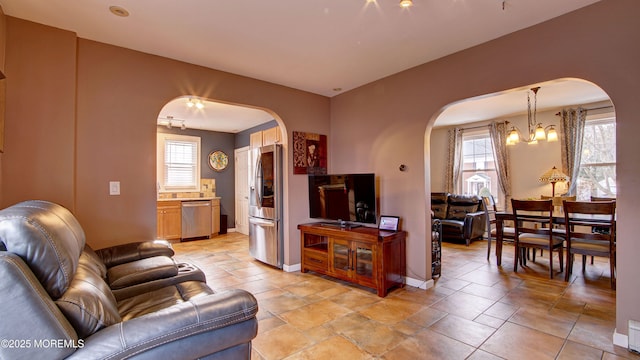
118, 11
406, 3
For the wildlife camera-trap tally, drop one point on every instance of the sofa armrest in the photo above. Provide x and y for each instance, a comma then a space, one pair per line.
474, 224
120, 254
196, 328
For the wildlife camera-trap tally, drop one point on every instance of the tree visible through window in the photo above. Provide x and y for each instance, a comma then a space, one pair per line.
598, 166
178, 162
478, 165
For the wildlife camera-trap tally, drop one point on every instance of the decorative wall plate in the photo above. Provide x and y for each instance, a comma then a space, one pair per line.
218, 160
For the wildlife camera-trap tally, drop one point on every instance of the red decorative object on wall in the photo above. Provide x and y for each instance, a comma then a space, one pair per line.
309, 153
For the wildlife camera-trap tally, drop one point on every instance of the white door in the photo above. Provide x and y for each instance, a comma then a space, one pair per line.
242, 190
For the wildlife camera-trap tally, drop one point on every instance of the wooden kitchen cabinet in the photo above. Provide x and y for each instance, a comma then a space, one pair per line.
271, 136
215, 217
169, 215
361, 255
255, 140
265, 137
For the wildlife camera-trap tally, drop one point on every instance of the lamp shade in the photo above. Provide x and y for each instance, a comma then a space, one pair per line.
552, 176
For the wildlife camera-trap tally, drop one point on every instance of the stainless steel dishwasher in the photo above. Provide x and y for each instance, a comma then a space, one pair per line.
196, 219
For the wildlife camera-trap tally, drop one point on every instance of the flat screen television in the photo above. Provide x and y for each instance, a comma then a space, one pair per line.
343, 198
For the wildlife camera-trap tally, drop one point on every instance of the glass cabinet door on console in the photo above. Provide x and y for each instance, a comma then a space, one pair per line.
340, 257
364, 264
352, 259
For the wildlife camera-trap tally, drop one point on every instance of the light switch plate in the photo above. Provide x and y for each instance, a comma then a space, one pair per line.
114, 187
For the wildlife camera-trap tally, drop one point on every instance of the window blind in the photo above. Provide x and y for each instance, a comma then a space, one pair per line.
180, 163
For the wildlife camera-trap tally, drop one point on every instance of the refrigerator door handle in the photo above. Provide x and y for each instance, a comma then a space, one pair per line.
263, 223
257, 178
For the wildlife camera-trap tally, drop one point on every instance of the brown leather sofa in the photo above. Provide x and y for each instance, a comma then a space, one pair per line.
462, 216
58, 301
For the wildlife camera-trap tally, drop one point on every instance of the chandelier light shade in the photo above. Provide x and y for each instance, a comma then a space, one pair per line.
535, 129
553, 176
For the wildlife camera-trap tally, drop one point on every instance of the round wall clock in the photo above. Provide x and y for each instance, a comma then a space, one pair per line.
218, 160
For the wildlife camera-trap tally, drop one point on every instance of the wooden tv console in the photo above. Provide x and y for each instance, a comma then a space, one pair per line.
362, 255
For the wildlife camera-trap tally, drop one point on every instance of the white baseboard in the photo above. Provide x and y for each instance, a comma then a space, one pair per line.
620, 339
292, 268
420, 284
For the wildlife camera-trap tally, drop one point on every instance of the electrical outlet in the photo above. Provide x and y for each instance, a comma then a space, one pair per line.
114, 187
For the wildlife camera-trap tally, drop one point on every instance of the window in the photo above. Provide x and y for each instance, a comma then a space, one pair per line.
478, 165
598, 167
178, 163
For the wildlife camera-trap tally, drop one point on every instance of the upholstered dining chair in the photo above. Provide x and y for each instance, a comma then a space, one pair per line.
580, 218
529, 215
508, 233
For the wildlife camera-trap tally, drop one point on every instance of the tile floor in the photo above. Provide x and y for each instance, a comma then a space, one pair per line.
475, 310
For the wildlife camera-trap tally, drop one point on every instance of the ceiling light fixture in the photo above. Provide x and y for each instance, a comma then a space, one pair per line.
169, 122
536, 130
406, 3
118, 11
197, 103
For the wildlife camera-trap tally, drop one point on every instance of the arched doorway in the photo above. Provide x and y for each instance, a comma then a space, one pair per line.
223, 129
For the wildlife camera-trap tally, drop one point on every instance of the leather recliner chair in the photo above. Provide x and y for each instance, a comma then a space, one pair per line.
57, 304
462, 216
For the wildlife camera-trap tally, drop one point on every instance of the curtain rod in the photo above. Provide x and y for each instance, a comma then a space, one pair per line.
475, 127
591, 109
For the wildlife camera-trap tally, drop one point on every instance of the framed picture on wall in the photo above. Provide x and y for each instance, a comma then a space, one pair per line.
309, 153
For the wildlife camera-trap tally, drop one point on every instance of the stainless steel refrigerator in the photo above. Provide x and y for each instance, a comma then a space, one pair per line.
265, 205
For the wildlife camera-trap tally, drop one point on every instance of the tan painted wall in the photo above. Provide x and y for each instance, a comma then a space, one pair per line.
38, 159
66, 147
383, 124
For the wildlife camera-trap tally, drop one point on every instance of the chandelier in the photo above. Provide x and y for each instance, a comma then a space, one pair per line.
535, 129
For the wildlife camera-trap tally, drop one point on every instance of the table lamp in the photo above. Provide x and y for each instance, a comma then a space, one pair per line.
553, 176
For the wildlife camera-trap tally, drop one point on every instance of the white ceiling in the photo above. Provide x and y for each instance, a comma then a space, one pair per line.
321, 46
214, 116
551, 95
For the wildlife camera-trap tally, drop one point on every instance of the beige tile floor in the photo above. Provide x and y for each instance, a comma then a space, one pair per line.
476, 310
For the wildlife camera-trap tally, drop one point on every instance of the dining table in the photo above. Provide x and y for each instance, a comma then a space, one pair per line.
557, 220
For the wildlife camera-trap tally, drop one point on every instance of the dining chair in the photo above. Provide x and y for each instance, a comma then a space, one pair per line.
580, 218
533, 229
508, 233
595, 228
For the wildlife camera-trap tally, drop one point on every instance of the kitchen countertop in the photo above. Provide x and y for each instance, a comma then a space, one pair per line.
190, 199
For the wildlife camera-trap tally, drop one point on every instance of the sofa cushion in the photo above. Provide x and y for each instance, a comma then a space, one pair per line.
461, 205
458, 212
91, 259
141, 271
439, 205
88, 304
456, 225
125, 253
47, 237
162, 298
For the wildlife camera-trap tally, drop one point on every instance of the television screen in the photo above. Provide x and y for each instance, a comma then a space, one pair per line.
343, 197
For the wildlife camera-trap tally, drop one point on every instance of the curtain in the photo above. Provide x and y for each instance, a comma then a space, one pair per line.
454, 160
571, 133
498, 132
